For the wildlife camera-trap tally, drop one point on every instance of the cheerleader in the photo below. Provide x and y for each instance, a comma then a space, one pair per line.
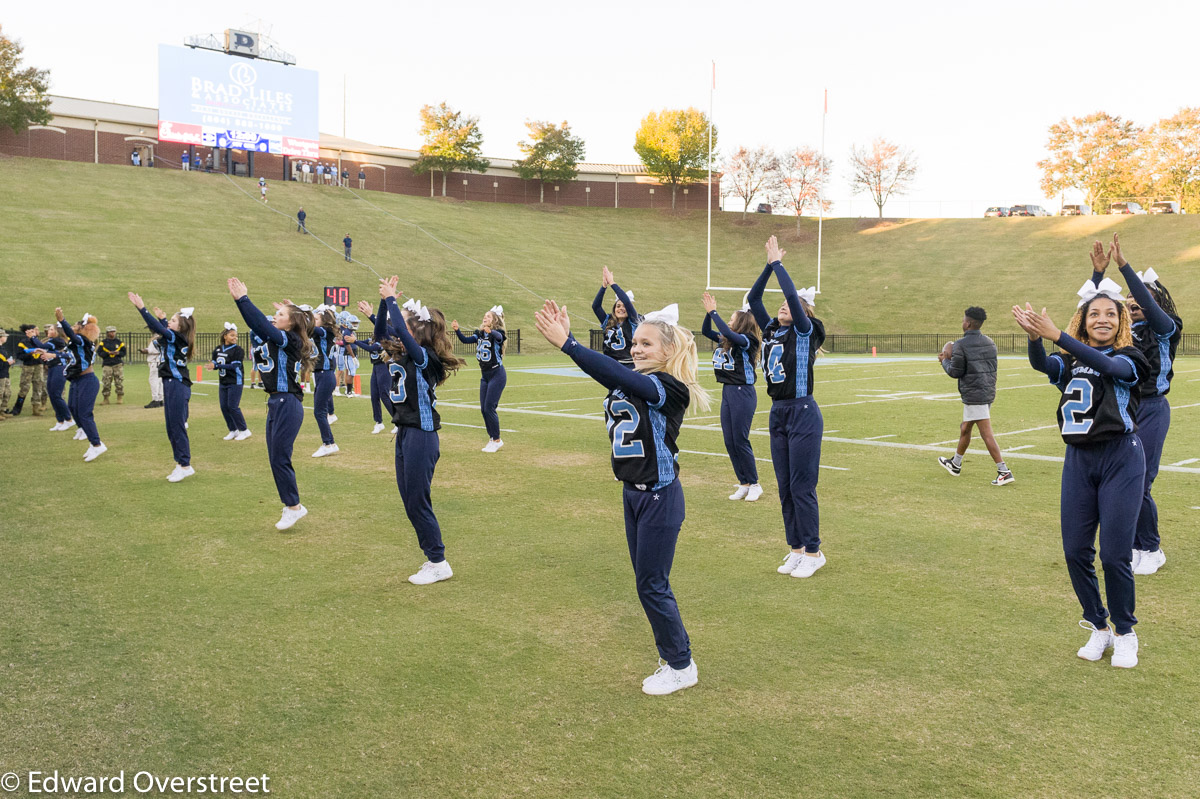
644, 410
380, 388
1156, 329
733, 365
78, 355
619, 325
490, 342
227, 360
420, 358
286, 351
324, 331
790, 344
56, 379
1104, 471
177, 337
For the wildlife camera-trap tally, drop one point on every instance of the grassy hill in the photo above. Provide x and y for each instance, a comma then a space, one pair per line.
82, 235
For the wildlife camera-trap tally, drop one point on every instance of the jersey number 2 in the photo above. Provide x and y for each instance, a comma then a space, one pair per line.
625, 417
1079, 401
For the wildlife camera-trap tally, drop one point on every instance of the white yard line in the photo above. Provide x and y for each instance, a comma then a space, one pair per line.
477, 426
1014, 449
875, 438
1185, 462
764, 460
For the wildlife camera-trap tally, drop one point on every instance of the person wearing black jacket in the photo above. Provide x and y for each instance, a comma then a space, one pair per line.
112, 355
972, 360
300, 217
33, 376
5, 365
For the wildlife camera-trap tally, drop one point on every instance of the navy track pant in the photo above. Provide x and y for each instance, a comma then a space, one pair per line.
81, 401
230, 400
491, 386
738, 404
56, 378
1102, 485
325, 382
380, 392
796, 427
176, 396
1153, 421
652, 523
417, 453
285, 414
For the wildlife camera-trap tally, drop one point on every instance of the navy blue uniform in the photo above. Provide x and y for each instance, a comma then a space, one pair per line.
325, 382
643, 413
618, 339
280, 360
228, 360
56, 379
734, 369
177, 386
492, 375
796, 424
1103, 471
380, 380
414, 376
81, 401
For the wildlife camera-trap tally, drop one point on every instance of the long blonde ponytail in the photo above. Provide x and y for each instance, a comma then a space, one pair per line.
682, 362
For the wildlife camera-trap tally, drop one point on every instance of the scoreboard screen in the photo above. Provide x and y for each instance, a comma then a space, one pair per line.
337, 295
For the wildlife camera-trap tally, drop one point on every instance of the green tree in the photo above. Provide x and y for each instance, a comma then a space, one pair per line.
1171, 156
551, 155
1092, 154
452, 143
23, 100
674, 147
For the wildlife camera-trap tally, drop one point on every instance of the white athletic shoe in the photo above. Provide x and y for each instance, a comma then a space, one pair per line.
331, 418
57, 426
666, 680
67, 425
808, 565
790, 562
243, 435
395, 429
492, 446
323, 450
180, 473
741, 492
1137, 557
187, 425
1101, 640
754, 493
377, 429
230, 436
1150, 562
1125, 649
80, 435
94, 452
431, 573
290, 517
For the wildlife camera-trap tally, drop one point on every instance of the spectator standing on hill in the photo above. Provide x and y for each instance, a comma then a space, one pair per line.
972, 360
185, 162
112, 355
156, 387
135, 158
345, 176
362, 179
347, 241
300, 217
262, 188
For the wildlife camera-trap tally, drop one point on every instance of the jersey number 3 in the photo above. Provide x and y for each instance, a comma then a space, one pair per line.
625, 417
399, 391
1079, 401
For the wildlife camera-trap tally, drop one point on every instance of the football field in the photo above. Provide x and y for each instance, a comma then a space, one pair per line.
170, 628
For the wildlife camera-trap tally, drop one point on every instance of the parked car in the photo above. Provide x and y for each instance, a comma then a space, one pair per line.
763, 208
1126, 208
1028, 210
996, 210
1165, 207
1080, 209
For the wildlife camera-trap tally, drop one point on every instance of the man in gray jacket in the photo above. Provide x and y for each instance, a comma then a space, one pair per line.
972, 359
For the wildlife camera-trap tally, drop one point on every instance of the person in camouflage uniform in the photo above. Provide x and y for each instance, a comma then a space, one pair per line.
112, 352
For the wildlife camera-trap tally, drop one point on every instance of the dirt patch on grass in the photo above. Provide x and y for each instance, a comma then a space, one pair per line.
869, 226
546, 208
563, 459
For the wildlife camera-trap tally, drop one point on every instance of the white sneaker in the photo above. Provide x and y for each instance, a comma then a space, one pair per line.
94, 452
790, 562
667, 680
378, 428
67, 425
230, 436
808, 565
331, 418
1101, 640
492, 446
754, 493
290, 517
180, 473
187, 425
395, 429
243, 435
1137, 557
741, 492
80, 435
323, 450
431, 573
57, 426
1125, 649
1150, 562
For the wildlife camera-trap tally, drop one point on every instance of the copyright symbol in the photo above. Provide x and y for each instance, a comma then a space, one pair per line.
10, 781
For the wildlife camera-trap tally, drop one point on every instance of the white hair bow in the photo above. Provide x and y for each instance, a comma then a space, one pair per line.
322, 308
186, 313
1149, 277
1107, 287
86, 316
809, 295
410, 305
230, 326
670, 315
307, 308
498, 310
419, 311
746, 302
629, 294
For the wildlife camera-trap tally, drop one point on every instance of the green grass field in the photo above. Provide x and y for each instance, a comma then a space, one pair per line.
170, 628
81, 236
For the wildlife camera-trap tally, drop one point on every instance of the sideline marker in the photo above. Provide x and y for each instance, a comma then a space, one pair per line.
199, 373
358, 385
873, 353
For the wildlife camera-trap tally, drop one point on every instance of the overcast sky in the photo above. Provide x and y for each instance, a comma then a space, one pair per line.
970, 87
